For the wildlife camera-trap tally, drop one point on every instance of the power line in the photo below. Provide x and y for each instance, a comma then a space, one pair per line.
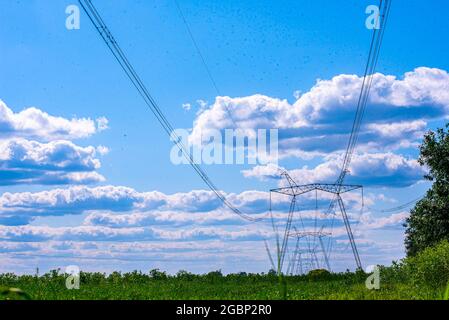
370, 68
197, 47
136, 81
373, 57
401, 207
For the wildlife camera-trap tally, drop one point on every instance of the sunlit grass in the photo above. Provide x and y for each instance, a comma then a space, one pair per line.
137, 286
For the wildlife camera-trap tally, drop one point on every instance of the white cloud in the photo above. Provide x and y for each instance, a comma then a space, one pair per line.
321, 119
57, 155
106, 203
102, 150
33, 123
297, 94
186, 106
396, 219
34, 148
56, 162
419, 87
399, 129
202, 104
99, 233
102, 124
266, 172
375, 169
81, 199
139, 231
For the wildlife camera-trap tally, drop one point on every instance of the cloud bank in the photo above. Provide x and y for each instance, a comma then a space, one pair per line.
33, 123
319, 122
35, 149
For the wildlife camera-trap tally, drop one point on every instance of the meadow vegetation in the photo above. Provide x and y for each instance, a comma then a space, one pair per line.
423, 276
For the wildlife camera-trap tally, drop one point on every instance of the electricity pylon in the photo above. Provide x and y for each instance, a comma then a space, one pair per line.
294, 190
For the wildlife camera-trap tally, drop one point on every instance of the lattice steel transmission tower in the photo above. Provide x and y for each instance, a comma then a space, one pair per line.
308, 247
309, 244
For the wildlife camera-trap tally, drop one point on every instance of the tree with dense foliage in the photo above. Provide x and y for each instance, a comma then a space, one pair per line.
428, 223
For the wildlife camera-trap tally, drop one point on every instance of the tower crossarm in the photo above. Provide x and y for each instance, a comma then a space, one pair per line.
302, 234
296, 190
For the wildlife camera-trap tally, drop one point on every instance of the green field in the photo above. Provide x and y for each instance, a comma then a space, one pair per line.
138, 286
424, 276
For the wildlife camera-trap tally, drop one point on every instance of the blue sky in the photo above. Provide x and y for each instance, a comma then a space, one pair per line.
98, 184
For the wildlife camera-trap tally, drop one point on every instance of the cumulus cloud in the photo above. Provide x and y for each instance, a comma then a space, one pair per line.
320, 120
57, 162
132, 227
82, 199
220, 217
103, 249
98, 233
251, 232
398, 129
35, 148
118, 206
105, 203
102, 124
102, 150
73, 200
369, 169
15, 247
33, 123
186, 106
394, 220
266, 172
106, 256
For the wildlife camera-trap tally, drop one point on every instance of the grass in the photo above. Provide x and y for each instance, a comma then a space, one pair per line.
159, 286
423, 276
446, 293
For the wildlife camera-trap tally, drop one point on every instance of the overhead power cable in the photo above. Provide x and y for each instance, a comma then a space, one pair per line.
203, 60
400, 207
136, 81
373, 58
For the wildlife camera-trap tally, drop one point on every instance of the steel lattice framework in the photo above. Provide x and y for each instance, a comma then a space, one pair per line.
294, 190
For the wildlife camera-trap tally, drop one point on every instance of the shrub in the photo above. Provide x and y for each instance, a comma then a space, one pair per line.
318, 274
395, 273
272, 273
156, 274
214, 274
185, 275
429, 267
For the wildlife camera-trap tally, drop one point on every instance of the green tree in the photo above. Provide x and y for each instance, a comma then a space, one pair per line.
428, 223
